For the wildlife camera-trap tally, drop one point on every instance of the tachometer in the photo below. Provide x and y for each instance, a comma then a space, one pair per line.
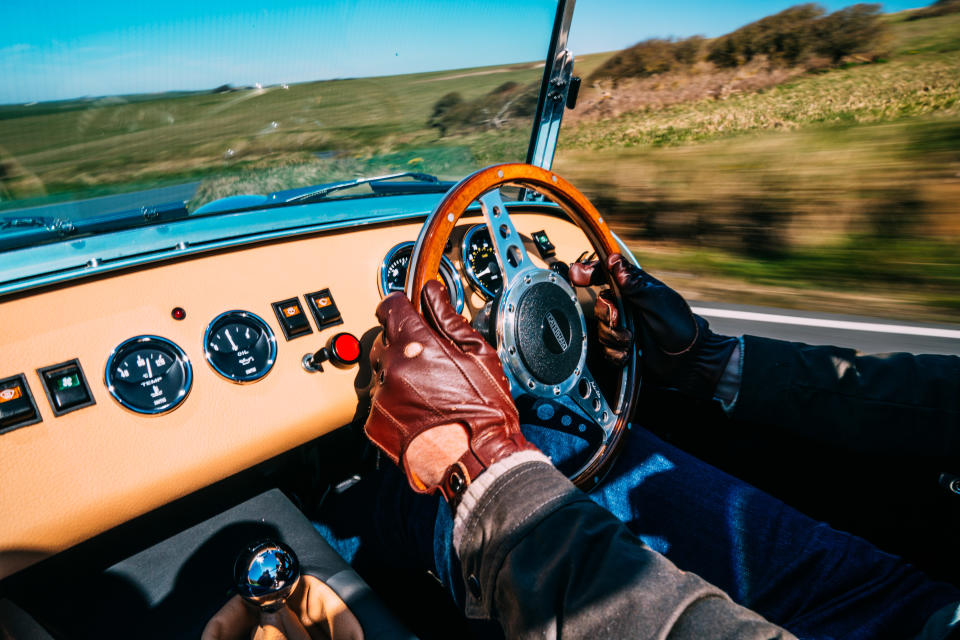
480, 262
393, 274
148, 374
240, 346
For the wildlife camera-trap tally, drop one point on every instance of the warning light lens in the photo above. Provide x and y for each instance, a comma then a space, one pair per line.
178, 313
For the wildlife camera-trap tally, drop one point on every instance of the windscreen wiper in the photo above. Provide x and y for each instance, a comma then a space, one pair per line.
424, 183
381, 186
23, 231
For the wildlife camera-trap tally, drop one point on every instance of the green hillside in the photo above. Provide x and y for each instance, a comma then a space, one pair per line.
114, 143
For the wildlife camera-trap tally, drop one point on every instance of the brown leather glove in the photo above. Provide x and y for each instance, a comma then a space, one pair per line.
435, 370
679, 349
313, 612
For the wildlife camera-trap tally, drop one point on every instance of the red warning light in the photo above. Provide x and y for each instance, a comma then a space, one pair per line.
178, 313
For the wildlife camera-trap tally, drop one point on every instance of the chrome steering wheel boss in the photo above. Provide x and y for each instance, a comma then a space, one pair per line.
542, 333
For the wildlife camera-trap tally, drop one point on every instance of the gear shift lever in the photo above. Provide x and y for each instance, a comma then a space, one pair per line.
266, 573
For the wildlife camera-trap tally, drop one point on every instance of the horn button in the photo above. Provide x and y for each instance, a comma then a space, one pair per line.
548, 333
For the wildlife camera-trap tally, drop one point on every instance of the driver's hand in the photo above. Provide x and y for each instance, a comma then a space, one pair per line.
313, 612
441, 405
679, 350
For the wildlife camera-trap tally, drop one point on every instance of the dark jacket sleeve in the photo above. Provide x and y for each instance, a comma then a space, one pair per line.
891, 403
546, 562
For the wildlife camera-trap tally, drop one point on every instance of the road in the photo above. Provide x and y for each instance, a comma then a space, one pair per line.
870, 335
79, 209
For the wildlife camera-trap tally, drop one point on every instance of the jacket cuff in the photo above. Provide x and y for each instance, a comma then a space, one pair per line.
507, 508
764, 378
483, 482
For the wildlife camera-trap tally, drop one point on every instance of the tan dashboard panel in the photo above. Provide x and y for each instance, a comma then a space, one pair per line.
69, 478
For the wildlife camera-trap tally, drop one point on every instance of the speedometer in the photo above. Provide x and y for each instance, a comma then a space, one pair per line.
393, 274
148, 374
480, 262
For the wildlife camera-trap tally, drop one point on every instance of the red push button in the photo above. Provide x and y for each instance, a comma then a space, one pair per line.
344, 349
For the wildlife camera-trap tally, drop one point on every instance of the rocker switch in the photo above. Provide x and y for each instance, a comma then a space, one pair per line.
323, 308
544, 247
292, 319
17, 408
66, 387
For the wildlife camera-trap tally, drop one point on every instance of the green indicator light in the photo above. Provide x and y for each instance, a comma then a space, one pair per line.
68, 382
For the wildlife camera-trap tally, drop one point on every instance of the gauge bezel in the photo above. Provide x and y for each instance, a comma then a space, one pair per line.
180, 353
472, 278
246, 315
445, 264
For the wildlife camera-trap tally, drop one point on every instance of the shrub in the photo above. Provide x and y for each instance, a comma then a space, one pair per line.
793, 35
855, 29
651, 57
441, 110
494, 110
784, 37
938, 8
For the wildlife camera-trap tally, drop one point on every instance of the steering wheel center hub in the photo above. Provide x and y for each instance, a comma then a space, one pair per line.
542, 333
548, 333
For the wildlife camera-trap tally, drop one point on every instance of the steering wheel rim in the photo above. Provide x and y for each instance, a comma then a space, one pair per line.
521, 276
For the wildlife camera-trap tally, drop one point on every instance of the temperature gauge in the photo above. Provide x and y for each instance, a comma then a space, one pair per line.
148, 374
240, 346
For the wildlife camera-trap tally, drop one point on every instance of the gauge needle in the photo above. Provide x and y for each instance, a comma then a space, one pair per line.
230, 340
149, 369
483, 273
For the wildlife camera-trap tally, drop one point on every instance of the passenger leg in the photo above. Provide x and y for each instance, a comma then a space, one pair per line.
795, 571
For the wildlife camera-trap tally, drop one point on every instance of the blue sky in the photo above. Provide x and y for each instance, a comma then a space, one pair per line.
56, 49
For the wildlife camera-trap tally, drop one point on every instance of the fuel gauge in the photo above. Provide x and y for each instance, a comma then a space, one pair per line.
240, 346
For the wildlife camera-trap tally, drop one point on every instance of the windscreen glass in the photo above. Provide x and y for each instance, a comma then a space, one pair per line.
112, 107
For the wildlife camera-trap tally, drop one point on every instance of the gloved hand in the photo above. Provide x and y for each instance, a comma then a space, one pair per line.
313, 612
440, 400
678, 348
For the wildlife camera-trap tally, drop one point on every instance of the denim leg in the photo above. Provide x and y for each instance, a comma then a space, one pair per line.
795, 571
381, 522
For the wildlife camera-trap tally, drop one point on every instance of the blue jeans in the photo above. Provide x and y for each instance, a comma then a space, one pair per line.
799, 573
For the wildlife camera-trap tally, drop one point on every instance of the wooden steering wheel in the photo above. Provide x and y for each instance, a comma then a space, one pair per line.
541, 329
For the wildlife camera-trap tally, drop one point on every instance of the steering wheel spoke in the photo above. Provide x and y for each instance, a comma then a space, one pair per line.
556, 415
586, 394
507, 243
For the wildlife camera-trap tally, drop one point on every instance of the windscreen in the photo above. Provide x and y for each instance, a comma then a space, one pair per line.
108, 107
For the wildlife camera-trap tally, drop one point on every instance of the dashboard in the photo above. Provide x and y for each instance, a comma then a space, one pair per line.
145, 385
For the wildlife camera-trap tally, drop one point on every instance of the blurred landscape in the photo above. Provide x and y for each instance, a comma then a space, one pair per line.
807, 160
801, 181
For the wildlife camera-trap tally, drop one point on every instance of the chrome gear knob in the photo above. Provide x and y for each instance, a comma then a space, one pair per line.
266, 573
